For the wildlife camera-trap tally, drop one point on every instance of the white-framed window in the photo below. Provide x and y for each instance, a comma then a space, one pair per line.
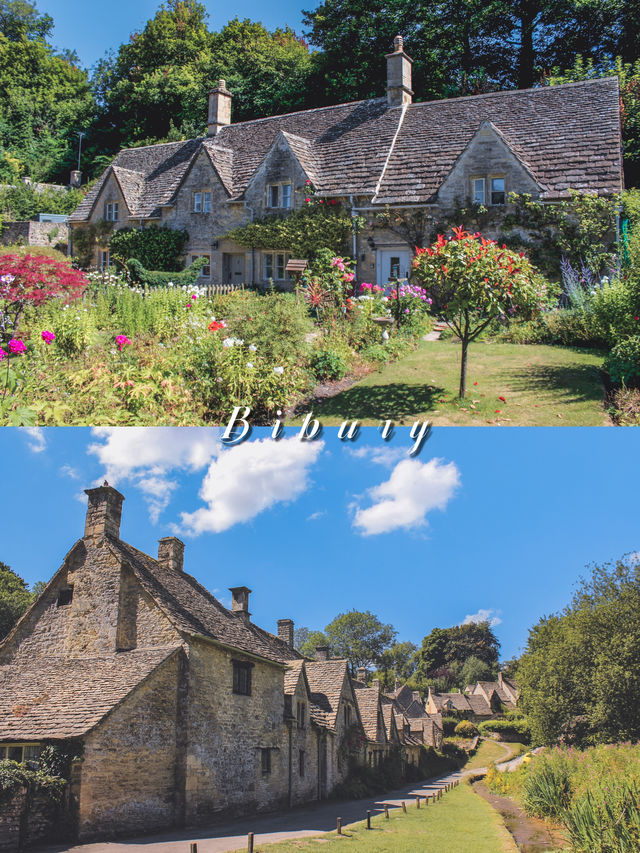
105, 260
498, 190
478, 190
205, 272
274, 265
19, 752
201, 201
111, 211
279, 195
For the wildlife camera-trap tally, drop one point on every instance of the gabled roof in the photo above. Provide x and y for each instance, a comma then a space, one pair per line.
567, 136
326, 681
457, 701
368, 699
293, 673
193, 610
479, 705
66, 697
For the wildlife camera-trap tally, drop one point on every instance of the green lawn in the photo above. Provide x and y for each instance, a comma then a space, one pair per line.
461, 822
542, 386
491, 750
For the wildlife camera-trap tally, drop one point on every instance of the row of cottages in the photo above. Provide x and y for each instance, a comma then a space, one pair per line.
480, 701
367, 155
183, 711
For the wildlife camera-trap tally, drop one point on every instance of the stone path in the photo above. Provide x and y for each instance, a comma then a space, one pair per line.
434, 335
295, 823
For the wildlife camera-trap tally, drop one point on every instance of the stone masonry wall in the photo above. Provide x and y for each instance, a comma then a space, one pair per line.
131, 761
54, 234
304, 787
29, 818
226, 734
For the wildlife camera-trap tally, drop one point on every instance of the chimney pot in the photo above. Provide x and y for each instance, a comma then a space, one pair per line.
171, 553
240, 601
399, 91
361, 673
219, 108
104, 512
376, 684
75, 179
322, 652
285, 631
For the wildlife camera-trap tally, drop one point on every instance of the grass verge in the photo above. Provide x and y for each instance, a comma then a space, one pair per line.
461, 822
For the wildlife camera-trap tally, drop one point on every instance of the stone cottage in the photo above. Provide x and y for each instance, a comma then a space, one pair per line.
183, 710
368, 155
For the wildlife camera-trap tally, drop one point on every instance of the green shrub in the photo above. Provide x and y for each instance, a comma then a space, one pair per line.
159, 278
518, 729
14, 776
465, 728
155, 248
449, 725
623, 363
327, 364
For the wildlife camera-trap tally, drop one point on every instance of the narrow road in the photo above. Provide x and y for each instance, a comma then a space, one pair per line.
296, 823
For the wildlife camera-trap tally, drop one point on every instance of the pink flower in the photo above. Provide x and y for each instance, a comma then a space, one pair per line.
348, 276
194, 295
2, 353
16, 346
122, 341
48, 337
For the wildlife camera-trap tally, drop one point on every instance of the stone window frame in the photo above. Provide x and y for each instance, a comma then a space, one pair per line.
488, 191
204, 203
473, 180
265, 760
23, 746
347, 714
241, 686
205, 272
111, 211
301, 714
500, 177
279, 196
275, 265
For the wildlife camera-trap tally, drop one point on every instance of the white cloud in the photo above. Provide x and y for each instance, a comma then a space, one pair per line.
403, 501
249, 478
490, 616
316, 515
145, 456
633, 558
380, 455
36, 439
68, 471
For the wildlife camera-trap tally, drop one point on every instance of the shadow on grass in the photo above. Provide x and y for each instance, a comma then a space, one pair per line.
380, 402
573, 383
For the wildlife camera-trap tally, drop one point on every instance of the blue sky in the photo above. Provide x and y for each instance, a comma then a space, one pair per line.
93, 28
497, 520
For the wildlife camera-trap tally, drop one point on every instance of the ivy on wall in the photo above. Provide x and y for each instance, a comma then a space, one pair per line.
156, 248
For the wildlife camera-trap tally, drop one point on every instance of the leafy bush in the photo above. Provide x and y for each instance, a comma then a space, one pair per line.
14, 776
327, 364
155, 248
625, 406
449, 725
159, 278
465, 728
623, 363
516, 728
55, 759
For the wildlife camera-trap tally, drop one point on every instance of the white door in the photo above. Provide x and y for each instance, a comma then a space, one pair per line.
393, 264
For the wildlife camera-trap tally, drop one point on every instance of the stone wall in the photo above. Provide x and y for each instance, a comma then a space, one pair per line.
31, 817
130, 770
51, 234
304, 787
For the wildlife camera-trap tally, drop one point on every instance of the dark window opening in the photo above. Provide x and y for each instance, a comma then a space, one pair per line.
265, 760
65, 596
300, 715
242, 678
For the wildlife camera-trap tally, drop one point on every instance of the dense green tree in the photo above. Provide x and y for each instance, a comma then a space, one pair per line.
474, 669
306, 641
445, 651
398, 661
15, 598
580, 672
360, 637
21, 20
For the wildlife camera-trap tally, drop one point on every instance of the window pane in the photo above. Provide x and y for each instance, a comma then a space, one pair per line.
268, 266
273, 196
280, 269
286, 195
478, 190
197, 202
206, 269
266, 760
14, 753
31, 753
115, 212
497, 191
206, 202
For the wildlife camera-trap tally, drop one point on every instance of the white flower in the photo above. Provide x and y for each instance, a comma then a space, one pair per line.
278, 370
232, 342
252, 347
249, 364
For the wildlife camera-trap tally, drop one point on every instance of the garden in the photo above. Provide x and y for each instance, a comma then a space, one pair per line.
542, 326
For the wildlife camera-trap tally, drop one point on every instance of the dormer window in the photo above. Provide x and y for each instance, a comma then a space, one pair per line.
202, 201
279, 196
111, 211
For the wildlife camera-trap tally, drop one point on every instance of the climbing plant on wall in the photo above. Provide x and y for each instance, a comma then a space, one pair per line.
155, 248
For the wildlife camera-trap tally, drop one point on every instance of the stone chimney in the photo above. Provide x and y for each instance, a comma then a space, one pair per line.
219, 108
104, 512
361, 674
399, 89
285, 631
240, 601
171, 553
76, 179
397, 684
322, 652
376, 685
500, 679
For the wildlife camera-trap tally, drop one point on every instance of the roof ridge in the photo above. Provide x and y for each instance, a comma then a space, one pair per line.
300, 112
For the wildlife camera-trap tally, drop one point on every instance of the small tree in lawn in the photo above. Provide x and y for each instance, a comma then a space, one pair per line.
474, 281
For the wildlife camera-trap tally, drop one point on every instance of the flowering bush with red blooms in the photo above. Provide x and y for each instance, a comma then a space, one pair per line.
473, 281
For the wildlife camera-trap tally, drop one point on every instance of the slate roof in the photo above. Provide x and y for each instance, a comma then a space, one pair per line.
479, 705
194, 610
326, 678
62, 697
292, 675
459, 701
368, 699
568, 136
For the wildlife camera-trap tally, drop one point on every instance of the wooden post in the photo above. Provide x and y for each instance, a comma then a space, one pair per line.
386, 812
339, 826
368, 820
417, 802
194, 847
404, 807
250, 843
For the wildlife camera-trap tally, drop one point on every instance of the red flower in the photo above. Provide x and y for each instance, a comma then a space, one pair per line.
503, 399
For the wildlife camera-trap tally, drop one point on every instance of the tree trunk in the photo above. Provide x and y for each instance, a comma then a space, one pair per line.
527, 15
463, 368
